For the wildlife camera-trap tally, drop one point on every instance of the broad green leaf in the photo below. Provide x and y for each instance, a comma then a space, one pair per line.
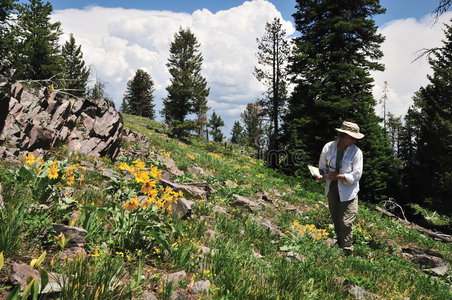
35, 290
27, 290
14, 294
44, 278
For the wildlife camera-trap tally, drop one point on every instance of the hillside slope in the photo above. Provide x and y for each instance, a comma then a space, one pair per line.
196, 219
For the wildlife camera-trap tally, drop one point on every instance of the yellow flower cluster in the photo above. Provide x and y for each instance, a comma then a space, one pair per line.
161, 198
310, 230
53, 170
191, 156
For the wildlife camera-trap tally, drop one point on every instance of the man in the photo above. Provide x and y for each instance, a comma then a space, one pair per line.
341, 163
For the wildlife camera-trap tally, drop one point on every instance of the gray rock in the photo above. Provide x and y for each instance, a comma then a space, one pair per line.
182, 208
146, 295
432, 262
201, 286
220, 210
174, 278
246, 202
77, 235
18, 274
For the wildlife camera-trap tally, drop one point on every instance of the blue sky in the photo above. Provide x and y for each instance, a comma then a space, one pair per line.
395, 9
120, 36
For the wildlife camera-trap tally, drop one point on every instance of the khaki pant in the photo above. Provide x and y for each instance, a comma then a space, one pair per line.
343, 215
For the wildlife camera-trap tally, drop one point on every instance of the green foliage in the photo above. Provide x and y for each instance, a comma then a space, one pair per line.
237, 136
96, 278
139, 97
337, 48
252, 118
6, 10
11, 218
427, 146
75, 73
188, 90
214, 124
35, 50
272, 57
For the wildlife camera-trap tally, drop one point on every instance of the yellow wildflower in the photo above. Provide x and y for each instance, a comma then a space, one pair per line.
191, 156
156, 173
141, 176
132, 204
70, 180
123, 166
148, 186
53, 170
30, 159
148, 202
139, 164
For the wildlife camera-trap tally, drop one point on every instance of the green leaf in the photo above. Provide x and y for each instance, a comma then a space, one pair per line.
27, 290
41, 259
44, 278
35, 290
14, 294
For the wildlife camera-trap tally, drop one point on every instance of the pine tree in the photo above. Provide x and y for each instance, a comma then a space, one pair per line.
252, 118
188, 90
394, 128
124, 107
237, 133
75, 73
214, 124
272, 56
427, 149
36, 52
139, 95
6, 10
332, 58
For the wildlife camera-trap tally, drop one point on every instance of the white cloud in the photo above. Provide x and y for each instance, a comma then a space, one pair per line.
404, 38
116, 42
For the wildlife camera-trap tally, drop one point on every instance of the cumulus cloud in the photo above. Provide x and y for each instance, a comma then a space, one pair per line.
405, 75
116, 42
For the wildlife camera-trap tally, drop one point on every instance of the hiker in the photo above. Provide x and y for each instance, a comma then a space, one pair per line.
341, 163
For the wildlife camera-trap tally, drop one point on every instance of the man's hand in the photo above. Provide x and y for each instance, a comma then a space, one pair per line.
335, 176
320, 178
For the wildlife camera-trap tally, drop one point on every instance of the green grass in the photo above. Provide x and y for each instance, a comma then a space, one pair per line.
241, 258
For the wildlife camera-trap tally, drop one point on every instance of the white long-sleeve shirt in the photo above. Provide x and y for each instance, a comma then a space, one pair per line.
351, 167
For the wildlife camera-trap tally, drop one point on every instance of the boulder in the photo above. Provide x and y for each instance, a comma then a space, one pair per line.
77, 235
182, 208
18, 274
432, 262
41, 118
246, 202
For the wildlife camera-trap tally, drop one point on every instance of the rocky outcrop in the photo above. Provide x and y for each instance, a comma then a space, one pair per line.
32, 118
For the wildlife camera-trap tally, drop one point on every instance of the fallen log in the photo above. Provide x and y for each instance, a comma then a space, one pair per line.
441, 236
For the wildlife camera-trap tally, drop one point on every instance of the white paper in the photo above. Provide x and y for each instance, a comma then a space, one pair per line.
314, 171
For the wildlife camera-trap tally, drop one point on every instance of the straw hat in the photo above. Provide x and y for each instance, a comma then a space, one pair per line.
351, 129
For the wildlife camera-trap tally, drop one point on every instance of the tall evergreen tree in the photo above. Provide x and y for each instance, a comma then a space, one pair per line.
214, 124
188, 90
6, 9
36, 52
75, 73
272, 57
252, 118
394, 128
332, 58
427, 150
139, 95
237, 133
